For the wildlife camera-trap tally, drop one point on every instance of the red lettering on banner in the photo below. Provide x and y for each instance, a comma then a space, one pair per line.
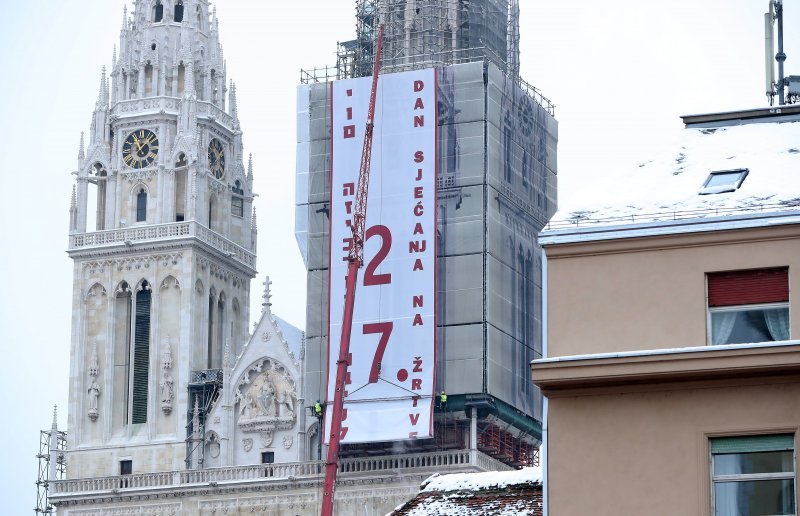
418, 104
344, 414
419, 156
417, 266
419, 302
418, 86
419, 175
348, 189
349, 113
349, 93
417, 246
348, 244
419, 209
417, 320
412, 435
418, 229
415, 399
417, 192
349, 131
417, 364
348, 206
419, 121
414, 419
416, 384
343, 434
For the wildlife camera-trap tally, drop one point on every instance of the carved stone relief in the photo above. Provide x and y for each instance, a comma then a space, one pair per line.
247, 444
167, 384
267, 396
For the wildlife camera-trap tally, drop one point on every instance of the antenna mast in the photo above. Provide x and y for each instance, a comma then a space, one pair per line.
775, 13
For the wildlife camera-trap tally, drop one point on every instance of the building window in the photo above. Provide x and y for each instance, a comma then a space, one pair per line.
178, 12
141, 206
723, 181
237, 201
126, 467
141, 354
753, 475
158, 12
748, 306
267, 457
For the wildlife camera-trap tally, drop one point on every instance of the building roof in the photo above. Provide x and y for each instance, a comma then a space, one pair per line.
515, 492
667, 187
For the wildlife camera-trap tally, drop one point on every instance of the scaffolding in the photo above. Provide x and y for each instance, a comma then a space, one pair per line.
204, 389
52, 444
427, 33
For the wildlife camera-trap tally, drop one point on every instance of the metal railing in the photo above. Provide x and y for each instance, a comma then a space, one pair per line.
454, 459
155, 232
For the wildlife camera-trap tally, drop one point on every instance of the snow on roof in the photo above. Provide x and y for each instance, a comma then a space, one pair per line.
509, 493
292, 335
485, 480
667, 186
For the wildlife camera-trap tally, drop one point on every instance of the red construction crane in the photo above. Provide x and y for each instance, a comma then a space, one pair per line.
355, 259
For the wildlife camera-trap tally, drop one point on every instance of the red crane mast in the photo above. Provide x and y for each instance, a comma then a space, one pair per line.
355, 259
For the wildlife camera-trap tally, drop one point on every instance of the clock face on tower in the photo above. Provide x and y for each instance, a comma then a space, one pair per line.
140, 149
216, 158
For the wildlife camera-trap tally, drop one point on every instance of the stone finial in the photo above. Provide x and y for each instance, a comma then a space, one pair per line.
73, 201
267, 304
54, 426
254, 222
125, 17
102, 95
233, 104
114, 56
81, 154
250, 169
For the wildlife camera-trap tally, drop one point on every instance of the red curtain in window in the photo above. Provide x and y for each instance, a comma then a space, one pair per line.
748, 287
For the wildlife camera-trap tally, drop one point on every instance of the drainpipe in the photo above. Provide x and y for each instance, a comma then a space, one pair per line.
543, 452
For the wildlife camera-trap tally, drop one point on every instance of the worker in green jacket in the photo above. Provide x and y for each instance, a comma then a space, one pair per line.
443, 400
318, 409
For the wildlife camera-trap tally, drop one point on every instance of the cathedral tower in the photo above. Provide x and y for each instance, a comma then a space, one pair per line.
163, 238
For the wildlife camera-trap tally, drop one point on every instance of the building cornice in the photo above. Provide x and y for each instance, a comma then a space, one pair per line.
562, 375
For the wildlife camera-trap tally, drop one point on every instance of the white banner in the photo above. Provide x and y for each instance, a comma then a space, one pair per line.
390, 388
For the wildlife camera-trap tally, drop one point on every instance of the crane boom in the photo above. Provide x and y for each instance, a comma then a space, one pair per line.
355, 259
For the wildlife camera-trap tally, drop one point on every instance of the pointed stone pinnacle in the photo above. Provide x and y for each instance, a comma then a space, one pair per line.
73, 201
81, 154
114, 56
55, 418
253, 223
250, 168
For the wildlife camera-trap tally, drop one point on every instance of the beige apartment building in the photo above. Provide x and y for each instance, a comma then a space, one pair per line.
671, 376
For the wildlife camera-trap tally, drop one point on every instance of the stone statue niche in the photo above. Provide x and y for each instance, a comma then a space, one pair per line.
268, 401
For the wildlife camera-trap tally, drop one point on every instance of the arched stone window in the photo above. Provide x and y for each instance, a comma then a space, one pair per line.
123, 303
178, 11
199, 11
158, 12
149, 91
141, 354
141, 206
237, 199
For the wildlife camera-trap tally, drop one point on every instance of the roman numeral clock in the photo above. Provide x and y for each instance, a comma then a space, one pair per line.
140, 149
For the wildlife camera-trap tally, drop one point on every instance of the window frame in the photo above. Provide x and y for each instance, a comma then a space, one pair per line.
740, 308
727, 187
751, 477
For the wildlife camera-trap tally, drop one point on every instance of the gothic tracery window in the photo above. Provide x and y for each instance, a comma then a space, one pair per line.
237, 199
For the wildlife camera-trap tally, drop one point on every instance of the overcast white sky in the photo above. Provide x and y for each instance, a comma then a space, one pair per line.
620, 72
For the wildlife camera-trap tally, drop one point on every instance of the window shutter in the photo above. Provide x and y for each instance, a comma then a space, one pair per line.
748, 287
141, 357
752, 443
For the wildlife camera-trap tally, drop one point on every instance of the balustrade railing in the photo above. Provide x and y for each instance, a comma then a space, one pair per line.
132, 235
277, 472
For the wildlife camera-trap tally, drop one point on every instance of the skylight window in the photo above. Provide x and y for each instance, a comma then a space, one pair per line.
724, 181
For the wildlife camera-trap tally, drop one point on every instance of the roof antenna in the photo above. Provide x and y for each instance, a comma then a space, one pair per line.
779, 87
